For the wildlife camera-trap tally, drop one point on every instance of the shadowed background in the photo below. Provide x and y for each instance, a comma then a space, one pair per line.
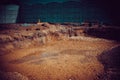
67, 11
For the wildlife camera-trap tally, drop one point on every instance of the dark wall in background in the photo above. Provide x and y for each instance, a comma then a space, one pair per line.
106, 11
62, 12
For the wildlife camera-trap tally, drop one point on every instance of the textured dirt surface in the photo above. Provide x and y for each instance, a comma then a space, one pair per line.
55, 52
12, 76
58, 60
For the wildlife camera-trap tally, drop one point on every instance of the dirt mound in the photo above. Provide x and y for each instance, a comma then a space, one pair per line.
111, 61
110, 33
111, 58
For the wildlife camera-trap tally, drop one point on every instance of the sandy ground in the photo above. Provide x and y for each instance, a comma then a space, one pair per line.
58, 60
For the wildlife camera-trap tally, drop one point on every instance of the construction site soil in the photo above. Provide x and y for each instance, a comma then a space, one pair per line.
56, 52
